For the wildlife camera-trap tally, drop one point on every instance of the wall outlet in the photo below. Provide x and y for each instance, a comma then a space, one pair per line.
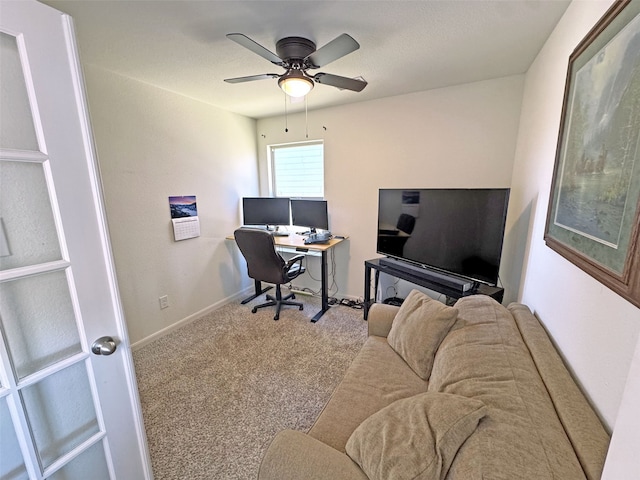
164, 301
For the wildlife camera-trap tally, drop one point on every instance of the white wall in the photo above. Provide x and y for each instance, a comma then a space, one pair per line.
462, 136
595, 329
153, 144
623, 460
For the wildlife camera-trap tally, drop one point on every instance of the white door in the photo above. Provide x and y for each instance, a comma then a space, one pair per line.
65, 413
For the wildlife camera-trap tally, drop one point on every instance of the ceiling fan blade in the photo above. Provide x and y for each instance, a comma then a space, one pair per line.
340, 82
251, 78
255, 47
335, 49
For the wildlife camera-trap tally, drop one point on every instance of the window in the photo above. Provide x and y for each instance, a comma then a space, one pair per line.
297, 170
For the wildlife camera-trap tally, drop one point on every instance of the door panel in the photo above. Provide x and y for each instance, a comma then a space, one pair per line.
66, 414
61, 412
25, 209
93, 460
16, 124
11, 462
31, 345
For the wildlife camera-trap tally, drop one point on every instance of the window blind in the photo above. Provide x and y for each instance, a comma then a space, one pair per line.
298, 170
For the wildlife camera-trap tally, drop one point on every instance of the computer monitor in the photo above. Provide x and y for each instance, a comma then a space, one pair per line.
267, 211
310, 213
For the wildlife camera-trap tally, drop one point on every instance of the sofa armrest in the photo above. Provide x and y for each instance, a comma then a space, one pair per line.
294, 455
380, 319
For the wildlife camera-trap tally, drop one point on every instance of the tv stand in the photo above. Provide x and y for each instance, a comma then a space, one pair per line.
424, 278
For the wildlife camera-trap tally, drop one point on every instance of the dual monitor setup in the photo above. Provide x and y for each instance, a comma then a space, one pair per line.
272, 212
455, 232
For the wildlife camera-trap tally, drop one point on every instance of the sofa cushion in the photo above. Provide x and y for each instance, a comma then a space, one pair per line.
376, 378
292, 455
484, 357
420, 325
414, 438
585, 430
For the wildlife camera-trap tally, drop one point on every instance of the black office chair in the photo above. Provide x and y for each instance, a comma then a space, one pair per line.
406, 223
264, 264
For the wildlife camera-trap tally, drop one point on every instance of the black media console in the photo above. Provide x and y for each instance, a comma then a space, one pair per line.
449, 286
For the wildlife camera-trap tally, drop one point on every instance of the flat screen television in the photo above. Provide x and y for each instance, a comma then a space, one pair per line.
265, 211
310, 213
454, 231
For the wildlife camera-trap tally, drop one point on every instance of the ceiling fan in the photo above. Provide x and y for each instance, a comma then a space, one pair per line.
297, 55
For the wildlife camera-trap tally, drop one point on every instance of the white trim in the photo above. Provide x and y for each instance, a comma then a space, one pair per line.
7, 380
27, 447
296, 166
52, 369
29, 270
22, 155
85, 130
31, 93
295, 144
68, 457
96, 187
191, 318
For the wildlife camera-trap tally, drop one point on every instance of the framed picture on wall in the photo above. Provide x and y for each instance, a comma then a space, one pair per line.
594, 207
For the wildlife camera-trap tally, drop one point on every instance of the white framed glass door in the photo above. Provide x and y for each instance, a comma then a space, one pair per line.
68, 409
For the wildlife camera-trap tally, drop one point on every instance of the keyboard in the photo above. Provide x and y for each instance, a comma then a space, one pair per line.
322, 237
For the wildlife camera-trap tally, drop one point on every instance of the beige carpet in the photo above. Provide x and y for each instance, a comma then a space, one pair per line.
215, 392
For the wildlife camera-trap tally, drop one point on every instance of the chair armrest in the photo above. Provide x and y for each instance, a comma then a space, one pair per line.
293, 260
380, 319
294, 455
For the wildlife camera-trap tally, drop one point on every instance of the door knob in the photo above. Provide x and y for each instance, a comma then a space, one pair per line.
104, 346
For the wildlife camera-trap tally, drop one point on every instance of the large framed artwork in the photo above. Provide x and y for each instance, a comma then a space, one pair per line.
594, 206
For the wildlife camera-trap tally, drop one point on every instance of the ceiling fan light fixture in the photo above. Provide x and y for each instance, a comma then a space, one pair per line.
295, 83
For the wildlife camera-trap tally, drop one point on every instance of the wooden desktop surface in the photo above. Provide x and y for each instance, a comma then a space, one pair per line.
293, 240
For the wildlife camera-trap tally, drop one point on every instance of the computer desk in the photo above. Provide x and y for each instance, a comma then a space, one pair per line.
296, 243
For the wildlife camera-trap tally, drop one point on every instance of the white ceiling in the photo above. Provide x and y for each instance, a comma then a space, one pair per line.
405, 46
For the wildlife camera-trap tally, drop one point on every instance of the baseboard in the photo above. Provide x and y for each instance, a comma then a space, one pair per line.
355, 298
187, 320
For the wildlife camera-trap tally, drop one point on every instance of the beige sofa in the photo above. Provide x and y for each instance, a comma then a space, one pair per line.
496, 402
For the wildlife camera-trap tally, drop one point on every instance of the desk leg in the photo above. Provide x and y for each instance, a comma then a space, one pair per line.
324, 288
258, 291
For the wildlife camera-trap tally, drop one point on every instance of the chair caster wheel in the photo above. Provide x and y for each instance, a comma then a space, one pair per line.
301, 307
277, 317
293, 296
254, 310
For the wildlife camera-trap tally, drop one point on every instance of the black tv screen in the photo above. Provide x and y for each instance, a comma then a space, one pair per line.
265, 211
458, 231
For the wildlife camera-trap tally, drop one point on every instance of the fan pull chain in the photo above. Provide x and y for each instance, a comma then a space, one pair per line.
286, 127
306, 118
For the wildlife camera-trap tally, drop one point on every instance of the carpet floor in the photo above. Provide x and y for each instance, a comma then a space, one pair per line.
215, 392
